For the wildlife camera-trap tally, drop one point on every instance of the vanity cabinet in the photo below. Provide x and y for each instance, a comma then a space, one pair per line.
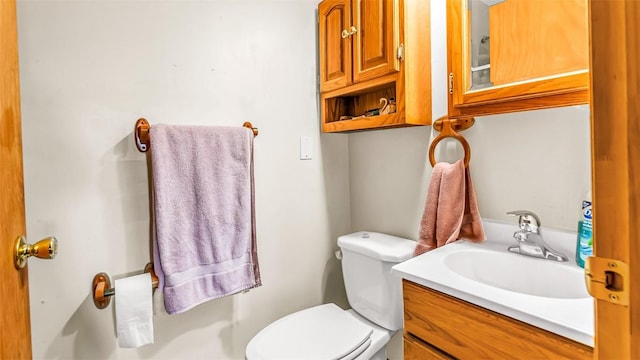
371, 50
513, 55
438, 326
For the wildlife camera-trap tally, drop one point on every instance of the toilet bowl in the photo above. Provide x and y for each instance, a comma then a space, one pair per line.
327, 331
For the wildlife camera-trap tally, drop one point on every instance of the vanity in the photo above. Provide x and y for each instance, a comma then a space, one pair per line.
467, 300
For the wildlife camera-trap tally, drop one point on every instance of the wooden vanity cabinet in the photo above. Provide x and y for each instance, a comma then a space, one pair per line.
538, 55
371, 50
438, 326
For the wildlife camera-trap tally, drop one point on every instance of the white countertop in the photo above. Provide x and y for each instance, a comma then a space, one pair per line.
571, 318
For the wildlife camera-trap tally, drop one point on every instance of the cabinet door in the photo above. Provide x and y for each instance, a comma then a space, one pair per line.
376, 40
512, 55
334, 16
534, 39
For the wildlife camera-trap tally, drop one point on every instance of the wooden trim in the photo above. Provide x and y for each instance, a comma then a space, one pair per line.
417, 63
374, 122
527, 89
537, 103
615, 138
362, 87
15, 326
454, 52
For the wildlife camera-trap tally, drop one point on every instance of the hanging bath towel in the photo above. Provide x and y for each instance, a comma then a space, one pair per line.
204, 213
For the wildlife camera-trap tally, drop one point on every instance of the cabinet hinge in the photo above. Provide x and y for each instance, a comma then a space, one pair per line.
607, 279
450, 83
401, 52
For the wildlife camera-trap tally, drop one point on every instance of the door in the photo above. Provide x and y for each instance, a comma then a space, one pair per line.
615, 124
334, 18
376, 38
15, 331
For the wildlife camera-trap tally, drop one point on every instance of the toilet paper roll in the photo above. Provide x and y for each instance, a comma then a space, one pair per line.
134, 312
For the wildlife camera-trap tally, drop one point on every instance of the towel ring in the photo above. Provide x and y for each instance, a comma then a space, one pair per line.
447, 128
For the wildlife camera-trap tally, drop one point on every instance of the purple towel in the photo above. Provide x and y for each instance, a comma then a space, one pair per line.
204, 216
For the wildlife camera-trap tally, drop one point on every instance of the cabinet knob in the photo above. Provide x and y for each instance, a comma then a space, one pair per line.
346, 33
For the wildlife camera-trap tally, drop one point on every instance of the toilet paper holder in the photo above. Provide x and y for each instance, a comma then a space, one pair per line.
102, 290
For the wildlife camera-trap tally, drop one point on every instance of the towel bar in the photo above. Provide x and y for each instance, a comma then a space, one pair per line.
142, 139
102, 290
448, 128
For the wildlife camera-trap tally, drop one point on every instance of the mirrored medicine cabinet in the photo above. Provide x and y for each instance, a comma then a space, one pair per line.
513, 55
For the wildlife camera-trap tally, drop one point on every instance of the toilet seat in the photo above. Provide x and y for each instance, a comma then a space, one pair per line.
321, 332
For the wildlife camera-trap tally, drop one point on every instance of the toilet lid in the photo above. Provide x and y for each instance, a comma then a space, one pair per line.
320, 332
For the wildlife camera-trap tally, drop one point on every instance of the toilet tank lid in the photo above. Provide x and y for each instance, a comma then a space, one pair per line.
379, 246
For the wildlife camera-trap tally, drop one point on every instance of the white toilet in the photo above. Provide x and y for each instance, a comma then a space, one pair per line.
326, 331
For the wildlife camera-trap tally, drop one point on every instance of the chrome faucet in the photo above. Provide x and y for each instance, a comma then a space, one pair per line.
530, 241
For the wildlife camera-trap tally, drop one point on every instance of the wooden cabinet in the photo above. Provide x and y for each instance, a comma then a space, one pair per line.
446, 326
517, 55
358, 42
373, 49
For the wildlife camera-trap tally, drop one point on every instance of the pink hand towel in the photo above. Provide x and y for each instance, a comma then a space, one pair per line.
451, 209
204, 216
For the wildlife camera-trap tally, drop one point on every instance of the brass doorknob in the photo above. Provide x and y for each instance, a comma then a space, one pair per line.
46, 248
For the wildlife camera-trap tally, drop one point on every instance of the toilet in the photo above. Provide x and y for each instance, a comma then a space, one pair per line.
328, 332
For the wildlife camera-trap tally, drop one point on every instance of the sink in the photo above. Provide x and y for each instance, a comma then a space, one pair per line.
517, 273
544, 293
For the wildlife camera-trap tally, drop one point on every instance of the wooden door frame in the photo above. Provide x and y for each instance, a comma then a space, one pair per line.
615, 154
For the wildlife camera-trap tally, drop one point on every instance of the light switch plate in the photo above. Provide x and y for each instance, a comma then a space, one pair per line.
306, 148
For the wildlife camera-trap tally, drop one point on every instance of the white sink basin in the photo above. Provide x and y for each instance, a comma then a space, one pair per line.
518, 273
548, 294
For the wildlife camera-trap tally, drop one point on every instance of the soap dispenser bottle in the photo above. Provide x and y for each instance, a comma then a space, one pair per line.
584, 246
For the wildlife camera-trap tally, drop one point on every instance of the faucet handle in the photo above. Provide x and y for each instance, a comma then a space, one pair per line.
527, 220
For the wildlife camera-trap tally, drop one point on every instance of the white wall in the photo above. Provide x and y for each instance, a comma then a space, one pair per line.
89, 69
535, 160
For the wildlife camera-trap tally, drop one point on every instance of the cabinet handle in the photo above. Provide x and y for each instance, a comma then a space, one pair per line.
346, 33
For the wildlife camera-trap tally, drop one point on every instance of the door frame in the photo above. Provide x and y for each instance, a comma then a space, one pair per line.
615, 160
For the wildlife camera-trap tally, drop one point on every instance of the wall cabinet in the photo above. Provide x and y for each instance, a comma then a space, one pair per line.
513, 55
439, 326
351, 57
370, 50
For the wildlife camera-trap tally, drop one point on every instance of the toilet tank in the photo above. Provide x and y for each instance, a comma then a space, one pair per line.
372, 291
